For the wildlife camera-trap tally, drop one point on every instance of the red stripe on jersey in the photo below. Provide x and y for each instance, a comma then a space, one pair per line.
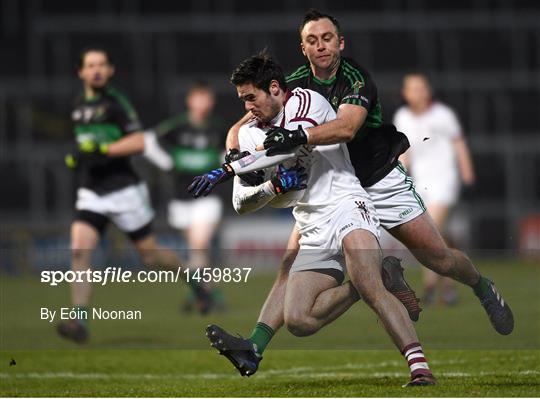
304, 104
314, 123
300, 105
308, 103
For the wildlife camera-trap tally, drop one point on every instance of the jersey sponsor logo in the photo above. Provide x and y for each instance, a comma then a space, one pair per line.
357, 86
355, 97
405, 213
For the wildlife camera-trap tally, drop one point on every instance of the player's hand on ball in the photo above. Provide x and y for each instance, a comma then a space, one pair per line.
293, 179
204, 184
282, 141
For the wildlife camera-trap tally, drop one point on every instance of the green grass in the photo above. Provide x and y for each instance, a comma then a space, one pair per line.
284, 373
166, 353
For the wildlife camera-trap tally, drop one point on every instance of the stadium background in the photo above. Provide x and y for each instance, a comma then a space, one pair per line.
483, 58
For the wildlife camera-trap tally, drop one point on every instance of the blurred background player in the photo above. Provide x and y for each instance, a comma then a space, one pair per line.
108, 187
438, 159
194, 141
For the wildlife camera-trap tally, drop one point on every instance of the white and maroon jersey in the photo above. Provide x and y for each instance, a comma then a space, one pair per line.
431, 136
331, 176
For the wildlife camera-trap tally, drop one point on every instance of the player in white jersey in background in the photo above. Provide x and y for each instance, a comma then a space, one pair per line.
438, 160
335, 218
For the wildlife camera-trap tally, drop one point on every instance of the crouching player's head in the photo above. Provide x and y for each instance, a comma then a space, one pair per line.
260, 84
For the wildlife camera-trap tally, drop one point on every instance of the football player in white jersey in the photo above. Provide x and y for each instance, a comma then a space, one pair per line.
335, 219
438, 160
399, 208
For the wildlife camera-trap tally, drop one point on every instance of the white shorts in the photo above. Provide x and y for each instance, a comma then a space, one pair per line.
183, 214
396, 199
321, 245
441, 191
128, 208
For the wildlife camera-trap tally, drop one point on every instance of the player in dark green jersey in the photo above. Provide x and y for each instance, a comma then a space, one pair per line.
108, 187
374, 150
194, 142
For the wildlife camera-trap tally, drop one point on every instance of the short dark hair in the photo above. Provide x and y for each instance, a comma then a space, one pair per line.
92, 49
259, 70
314, 15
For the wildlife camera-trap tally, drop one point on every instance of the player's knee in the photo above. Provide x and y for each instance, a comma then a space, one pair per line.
149, 257
300, 325
373, 296
80, 255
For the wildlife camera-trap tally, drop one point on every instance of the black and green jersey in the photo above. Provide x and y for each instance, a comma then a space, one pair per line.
373, 150
194, 149
105, 118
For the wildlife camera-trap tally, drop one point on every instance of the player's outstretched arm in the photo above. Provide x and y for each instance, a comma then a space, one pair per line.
248, 199
129, 145
204, 184
232, 135
340, 130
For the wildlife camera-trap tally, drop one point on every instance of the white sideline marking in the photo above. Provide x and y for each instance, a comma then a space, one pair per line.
295, 373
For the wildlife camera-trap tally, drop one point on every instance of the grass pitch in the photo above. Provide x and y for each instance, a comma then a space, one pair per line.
166, 353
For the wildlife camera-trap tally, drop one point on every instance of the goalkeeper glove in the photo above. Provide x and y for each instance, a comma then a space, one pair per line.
87, 150
285, 180
252, 178
204, 184
282, 141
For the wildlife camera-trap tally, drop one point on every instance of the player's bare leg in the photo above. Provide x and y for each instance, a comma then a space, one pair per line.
199, 238
439, 214
246, 354
363, 259
313, 299
423, 239
272, 311
155, 256
84, 239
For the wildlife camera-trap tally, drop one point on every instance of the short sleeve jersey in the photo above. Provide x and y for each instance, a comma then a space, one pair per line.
194, 149
371, 148
105, 118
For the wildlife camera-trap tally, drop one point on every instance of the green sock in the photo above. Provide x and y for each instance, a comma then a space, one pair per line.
83, 310
481, 287
261, 336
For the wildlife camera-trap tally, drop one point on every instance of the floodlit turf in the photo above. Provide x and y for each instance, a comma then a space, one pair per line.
284, 373
165, 353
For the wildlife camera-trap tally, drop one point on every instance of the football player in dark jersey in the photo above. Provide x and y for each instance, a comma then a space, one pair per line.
194, 142
108, 187
374, 150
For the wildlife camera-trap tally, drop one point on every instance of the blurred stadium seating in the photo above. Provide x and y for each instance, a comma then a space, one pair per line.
483, 58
